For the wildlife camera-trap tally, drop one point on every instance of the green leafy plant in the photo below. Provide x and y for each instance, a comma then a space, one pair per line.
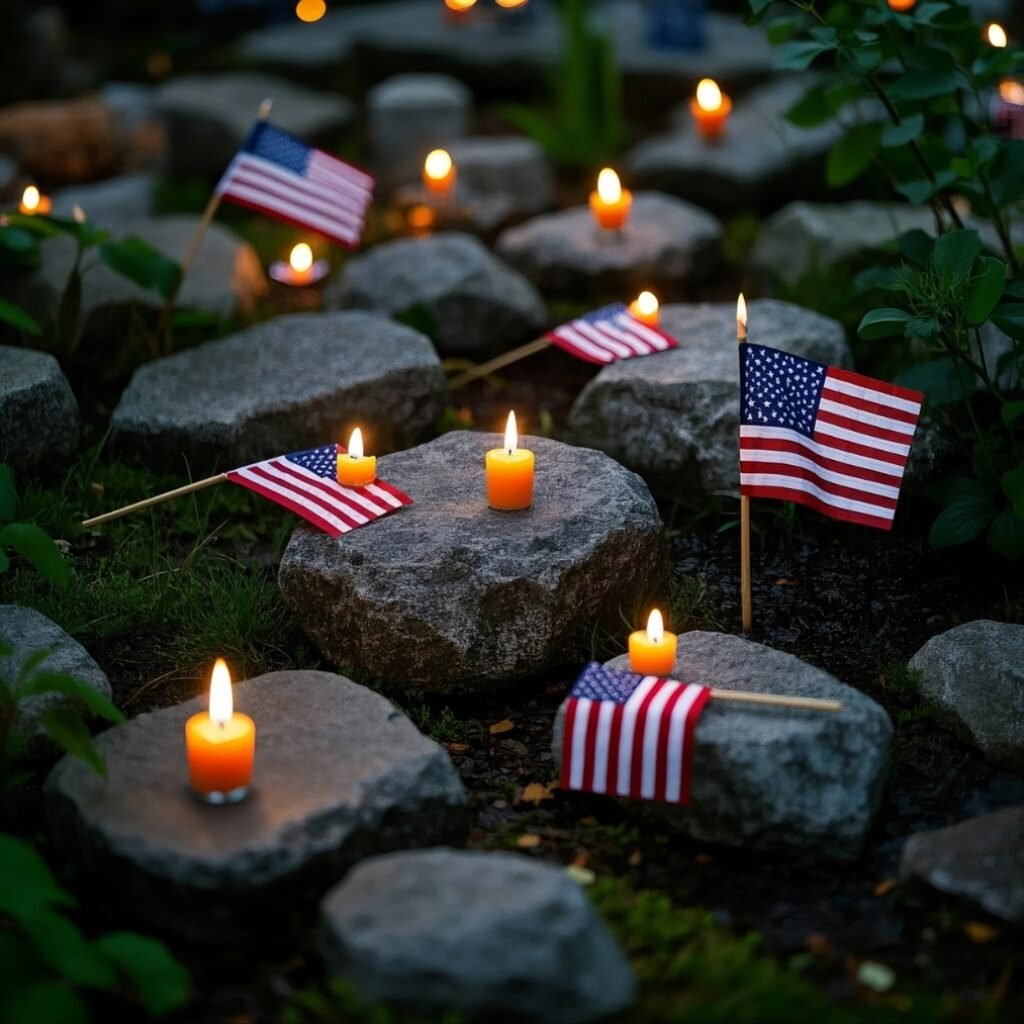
30, 541
47, 966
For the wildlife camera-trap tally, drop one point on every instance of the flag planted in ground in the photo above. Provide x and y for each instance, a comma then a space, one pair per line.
306, 482
827, 438
630, 735
278, 174
609, 334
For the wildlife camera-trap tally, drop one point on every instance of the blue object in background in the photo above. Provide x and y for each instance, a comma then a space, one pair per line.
677, 24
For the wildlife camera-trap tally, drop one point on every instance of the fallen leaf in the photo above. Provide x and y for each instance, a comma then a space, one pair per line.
785, 582
875, 976
457, 748
529, 841
635, 859
505, 725
979, 932
535, 792
885, 886
581, 874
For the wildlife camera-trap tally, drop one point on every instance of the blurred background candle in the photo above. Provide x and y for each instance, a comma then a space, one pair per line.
439, 173
996, 35
1008, 109
646, 309
310, 10
510, 473
356, 469
33, 202
652, 651
457, 11
610, 203
221, 745
710, 108
902, 5
301, 269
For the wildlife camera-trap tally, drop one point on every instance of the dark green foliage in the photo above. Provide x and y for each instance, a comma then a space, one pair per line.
26, 539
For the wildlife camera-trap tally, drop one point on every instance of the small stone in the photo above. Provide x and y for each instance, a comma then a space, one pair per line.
449, 283
208, 117
975, 673
109, 203
774, 778
674, 417
935, 446
38, 412
411, 114
26, 632
665, 243
488, 935
452, 596
980, 860
340, 774
290, 383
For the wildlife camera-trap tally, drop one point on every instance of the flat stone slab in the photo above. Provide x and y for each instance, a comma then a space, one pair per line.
111, 202
207, 117
769, 778
340, 774
980, 860
488, 935
290, 383
455, 597
473, 302
26, 632
674, 417
665, 243
975, 673
39, 419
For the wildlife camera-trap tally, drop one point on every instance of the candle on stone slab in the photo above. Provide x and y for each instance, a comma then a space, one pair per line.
646, 309
710, 108
996, 35
301, 269
652, 651
610, 203
356, 469
221, 745
510, 473
439, 173
33, 202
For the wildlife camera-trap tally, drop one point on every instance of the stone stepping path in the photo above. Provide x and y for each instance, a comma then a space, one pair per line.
980, 860
488, 935
39, 419
471, 302
975, 673
26, 632
340, 774
665, 243
773, 779
207, 117
674, 417
290, 383
455, 597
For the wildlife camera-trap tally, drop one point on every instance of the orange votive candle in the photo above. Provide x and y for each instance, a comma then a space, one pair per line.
646, 309
221, 745
439, 173
902, 5
652, 651
33, 202
354, 468
710, 108
510, 473
610, 203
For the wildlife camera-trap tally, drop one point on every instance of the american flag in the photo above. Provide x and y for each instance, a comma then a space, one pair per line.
827, 438
306, 482
609, 334
278, 174
630, 735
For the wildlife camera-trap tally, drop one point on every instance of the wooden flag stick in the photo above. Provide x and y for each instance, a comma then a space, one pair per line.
803, 703
156, 500
746, 597
506, 359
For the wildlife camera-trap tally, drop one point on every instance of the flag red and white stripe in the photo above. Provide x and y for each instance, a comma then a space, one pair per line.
610, 334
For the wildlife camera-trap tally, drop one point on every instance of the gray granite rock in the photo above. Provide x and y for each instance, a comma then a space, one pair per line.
935, 446
674, 417
207, 117
665, 243
38, 413
770, 778
452, 596
293, 382
975, 673
474, 302
9, 179
340, 774
110, 203
488, 935
26, 631
411, 114
980, 860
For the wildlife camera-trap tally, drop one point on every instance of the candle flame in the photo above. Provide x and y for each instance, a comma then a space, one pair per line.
30, 197
355, 444
78, 214
709, 96
221, 702
647, 303
741, 316
310, 10
996, 35
301, 258
1011, 91
438, 164
511, 434
608, 186
655, 627
902, 5
459, 5
511, 4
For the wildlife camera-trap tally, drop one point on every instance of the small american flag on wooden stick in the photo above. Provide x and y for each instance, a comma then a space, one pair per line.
609, 334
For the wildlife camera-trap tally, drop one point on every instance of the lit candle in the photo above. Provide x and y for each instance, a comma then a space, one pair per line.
645, 308
902, 5
354, 468
741, 318
439, 173
310, 10
301, 269
33, 202
610, 203
221, 745
1008, 109
456, 10
996, 35
652, 651
710, 108
510, 473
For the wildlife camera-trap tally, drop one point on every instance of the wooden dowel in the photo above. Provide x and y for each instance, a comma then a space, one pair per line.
506, 359
155, 500
802, 703
746, 597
